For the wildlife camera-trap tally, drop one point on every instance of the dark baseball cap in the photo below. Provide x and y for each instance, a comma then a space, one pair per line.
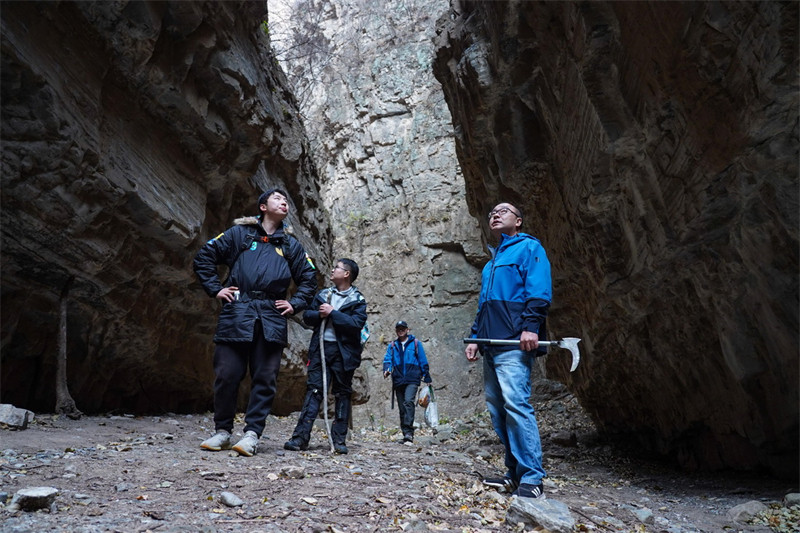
401, 324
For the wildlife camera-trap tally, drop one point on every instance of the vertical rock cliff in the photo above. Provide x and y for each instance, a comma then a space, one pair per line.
653, 147
382, 138
132, 132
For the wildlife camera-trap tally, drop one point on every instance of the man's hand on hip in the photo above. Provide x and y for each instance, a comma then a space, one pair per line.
284, 307
226, 294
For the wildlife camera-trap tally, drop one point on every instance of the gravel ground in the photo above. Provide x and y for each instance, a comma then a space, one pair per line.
125, 473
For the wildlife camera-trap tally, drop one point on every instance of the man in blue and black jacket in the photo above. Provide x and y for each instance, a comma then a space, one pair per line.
337, 313
263, 260
516, 291
405, 361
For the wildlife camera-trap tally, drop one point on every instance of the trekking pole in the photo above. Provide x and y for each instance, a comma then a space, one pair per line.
325, 376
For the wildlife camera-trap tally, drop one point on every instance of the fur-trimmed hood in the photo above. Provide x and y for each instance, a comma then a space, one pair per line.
255, 221
247, 221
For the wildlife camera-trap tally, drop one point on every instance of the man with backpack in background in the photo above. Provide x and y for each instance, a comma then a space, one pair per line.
252, 328
405, 361
343, 311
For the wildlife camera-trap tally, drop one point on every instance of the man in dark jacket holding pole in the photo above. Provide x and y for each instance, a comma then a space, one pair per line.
515, 296
343, 311
252, 329
406, 362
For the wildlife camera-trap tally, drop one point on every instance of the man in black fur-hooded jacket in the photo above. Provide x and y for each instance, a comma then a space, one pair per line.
252, 327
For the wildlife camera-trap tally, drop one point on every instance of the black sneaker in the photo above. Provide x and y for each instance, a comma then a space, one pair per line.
526, 490
295, 445
504, 483
341, 449
408, 437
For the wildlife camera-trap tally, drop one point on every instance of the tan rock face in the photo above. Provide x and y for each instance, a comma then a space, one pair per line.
132, 133
653, 148
381, 136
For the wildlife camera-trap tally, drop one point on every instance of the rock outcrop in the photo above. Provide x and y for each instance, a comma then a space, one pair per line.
653, 147
133, 131
382, 137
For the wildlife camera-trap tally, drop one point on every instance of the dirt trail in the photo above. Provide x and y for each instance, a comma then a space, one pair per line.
122, 473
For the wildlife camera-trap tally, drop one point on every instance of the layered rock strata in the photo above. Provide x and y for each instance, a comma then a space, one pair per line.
653, 148
132, 132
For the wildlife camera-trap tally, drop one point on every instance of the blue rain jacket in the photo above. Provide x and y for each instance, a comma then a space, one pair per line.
409, 366
516, 291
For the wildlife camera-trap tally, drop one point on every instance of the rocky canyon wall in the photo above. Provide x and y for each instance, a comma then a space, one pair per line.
654, 148
382, 138
131, 133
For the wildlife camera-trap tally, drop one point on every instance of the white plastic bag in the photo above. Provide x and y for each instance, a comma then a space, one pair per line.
424, 396
432, 415
432, 411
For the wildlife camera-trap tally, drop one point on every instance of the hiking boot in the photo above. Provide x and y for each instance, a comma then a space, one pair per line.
340, 449
506, 484
295, 445
220, 441
526, 490
247, 446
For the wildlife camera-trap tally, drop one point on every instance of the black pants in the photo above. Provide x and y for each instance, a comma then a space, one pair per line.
341, 383
407, 404
231, 362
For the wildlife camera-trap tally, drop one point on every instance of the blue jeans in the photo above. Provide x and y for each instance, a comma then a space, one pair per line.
507, 381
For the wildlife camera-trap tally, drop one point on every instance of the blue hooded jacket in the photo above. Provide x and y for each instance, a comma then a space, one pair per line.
516, 291
409, 365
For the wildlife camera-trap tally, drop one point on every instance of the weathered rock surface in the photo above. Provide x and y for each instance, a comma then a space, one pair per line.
34, 498
133, 131
14, 417
550, 514
382, 138
653, 148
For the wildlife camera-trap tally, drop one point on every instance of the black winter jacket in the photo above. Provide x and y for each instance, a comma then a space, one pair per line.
262, 266
347, 322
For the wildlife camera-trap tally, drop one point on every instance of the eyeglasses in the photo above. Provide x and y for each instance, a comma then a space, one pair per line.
502, 212
337, 267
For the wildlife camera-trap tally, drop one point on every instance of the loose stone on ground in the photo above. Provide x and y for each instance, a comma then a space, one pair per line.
139, 473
